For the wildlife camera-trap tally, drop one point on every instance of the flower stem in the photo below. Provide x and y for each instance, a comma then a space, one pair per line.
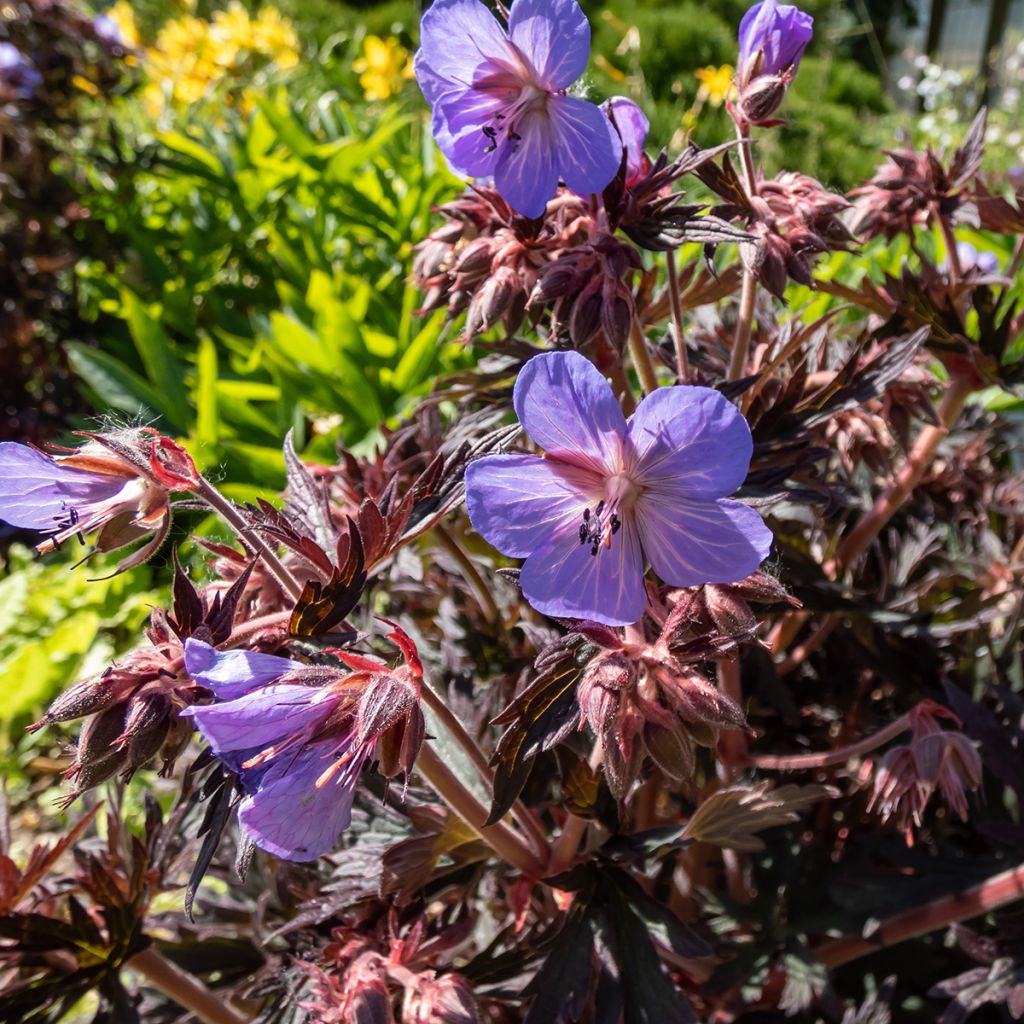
920, 458
501, 839
997, 891
563, 850
184, 988
520, 812
952, 256
472, 575
622, 388
748, 296
642, 358
227, 511
244, 630
828, 759
676, 304
732, 753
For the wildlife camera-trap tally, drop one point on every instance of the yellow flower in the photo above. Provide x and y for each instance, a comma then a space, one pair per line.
715, 84
382, 68
275, 37
124, 17
231, 33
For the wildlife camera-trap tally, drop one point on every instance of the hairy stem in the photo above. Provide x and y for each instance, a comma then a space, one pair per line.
732, 753
501, 839
828, 759
472, 575
748, 296
642, 358
523, 816
185, 989
623, 390
920, 458
244, 630
997, 891
227, 511
676, 304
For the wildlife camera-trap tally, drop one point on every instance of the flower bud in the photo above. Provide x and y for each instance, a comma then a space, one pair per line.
445, 1000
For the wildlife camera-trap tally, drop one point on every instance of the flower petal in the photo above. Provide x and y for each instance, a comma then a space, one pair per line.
516, 502
459, 117
456, 38
231, 674
290, 816
568, 408
588, 150
36, 491
632, 125
690, 542
562, 578
525, 173
259, 718
555, 36
689, 442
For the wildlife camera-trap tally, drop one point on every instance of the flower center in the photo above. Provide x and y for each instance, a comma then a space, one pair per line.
602, 522
530, 99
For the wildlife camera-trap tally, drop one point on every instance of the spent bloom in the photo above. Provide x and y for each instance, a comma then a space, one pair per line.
772, 39
907, 776
298, 736
499, 99
18, 75
609, 492
117, 484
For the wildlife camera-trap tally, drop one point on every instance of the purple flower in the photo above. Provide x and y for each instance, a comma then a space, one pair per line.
632, 125
18, 74
608, 492
499, 101
971, 259
298, 736
779, 33
118, 484
108, 30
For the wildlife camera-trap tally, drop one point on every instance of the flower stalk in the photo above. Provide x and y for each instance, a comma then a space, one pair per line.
185, 989
748, 294
676, 304
470, 573
642, 358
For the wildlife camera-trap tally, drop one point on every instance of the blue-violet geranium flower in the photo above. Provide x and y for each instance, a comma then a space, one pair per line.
298, 736
609, 491
774, 36
499, 99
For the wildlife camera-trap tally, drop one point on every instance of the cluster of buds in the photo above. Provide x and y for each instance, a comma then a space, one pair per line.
117, 485
773, 38
588, 289
361, 984
935, 759
486, 259
648, 698
134, 708
911, 189
794, 218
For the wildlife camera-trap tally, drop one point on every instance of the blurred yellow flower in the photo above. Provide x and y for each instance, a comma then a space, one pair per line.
383, 67
274, 36
715, 84
191, 55
122, 15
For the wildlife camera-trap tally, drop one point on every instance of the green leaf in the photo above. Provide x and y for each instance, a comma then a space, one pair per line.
115, 384
207, 420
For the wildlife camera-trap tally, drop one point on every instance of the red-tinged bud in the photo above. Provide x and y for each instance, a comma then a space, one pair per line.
99, 737
142, 747
146, 711
172, 465
695, 699
672, 750
89, 697
367, 999
585, 319
617, 315
758, 99
445, 1000
475, 260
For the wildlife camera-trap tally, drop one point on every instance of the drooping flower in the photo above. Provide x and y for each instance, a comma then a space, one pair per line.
298, 736
772, 38
609, 492
499, 99
632, 125
18, 75
118, 484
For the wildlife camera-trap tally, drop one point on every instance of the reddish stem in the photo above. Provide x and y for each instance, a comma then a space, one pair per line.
184, 988
997, 891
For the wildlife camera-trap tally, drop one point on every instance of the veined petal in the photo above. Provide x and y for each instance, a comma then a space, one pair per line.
690, 542
231, 674
588, 150
525, 173
564, 579
290, 816
568, 408
689, 442
555, 36
36, 491
516, 502
458, 121
259, 718
456, 38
